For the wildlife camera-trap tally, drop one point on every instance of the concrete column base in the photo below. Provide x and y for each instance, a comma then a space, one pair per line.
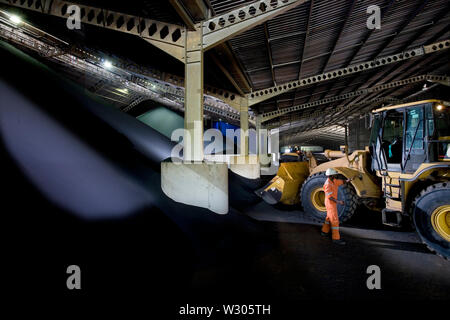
202, 184
269, 170
246, 166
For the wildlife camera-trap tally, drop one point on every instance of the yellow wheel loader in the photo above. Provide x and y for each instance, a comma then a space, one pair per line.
405, 171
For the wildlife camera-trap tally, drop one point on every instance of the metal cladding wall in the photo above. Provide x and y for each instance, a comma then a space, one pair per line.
162, 120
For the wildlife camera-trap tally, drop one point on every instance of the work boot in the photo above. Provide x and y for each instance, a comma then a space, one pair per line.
324, 234
340, 242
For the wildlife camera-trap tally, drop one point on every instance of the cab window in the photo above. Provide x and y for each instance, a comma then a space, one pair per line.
392, 136
442, 131
414, 128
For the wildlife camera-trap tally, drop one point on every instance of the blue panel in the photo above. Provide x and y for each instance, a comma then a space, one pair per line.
223, 127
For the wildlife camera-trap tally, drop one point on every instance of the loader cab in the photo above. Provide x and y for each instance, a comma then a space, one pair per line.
405, 136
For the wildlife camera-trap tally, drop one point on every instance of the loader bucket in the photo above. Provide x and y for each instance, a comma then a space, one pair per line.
285, 186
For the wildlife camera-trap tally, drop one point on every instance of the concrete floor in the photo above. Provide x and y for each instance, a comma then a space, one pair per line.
327, 271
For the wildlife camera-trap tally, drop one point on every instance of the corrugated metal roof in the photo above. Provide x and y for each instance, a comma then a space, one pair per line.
337, 36
315, 37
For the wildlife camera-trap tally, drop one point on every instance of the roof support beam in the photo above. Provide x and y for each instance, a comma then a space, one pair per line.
403, 71
411, 16
441, 14
308, 29
226, 73
398, 31
390, 91
234, 68
183, 13
168, 37
325, 65
338, 36
275, 114
265, 94
226, 26
148, 88
438, 17
369, 33
330, 119
269, 53
190, 11
360, 45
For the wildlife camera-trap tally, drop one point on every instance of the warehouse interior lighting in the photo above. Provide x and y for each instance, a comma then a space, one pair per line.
15, 19
124, 91
107, 64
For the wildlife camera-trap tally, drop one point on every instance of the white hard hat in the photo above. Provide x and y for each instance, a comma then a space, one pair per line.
330, 172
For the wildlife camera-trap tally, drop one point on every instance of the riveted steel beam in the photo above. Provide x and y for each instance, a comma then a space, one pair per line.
338, 36
405, 70
308, 29
234, 66
226, 73
183, 13
275, 114
264, 94
226, 26
298, 124
399, 29
269, 53
166, 36
330, 119
134, 103
147, 88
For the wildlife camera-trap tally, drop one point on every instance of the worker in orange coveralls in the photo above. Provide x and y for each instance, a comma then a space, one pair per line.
331, 187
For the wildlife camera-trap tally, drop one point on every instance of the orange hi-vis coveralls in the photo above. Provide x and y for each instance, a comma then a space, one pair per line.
331, 190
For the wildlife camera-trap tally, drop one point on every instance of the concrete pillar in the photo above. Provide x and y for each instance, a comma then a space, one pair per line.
258, 134
198, 184
274, 141
193, 99
262, 138
244, 130
194, 181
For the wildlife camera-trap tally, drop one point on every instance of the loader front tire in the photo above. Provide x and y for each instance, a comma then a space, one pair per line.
313, 199
431, 213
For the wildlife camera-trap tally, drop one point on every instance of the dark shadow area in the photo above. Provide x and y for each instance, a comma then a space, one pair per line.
160, 251
398, 245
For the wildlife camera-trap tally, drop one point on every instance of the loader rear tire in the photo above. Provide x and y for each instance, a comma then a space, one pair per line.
431, 213
312, 193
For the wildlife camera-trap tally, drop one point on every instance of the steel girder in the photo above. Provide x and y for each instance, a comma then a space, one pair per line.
274, 114
147, 88
223, 27
166, 36
264, 94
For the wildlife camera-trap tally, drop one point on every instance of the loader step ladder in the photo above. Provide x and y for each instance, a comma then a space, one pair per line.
380, 157
394, 191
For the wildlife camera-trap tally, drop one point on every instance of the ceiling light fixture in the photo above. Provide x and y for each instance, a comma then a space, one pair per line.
107, 64
15, 19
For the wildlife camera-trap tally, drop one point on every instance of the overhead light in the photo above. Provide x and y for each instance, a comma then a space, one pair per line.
439, 107
15, 19
124, 91
107, 64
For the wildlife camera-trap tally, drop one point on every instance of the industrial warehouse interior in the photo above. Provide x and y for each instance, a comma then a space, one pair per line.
226, 159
